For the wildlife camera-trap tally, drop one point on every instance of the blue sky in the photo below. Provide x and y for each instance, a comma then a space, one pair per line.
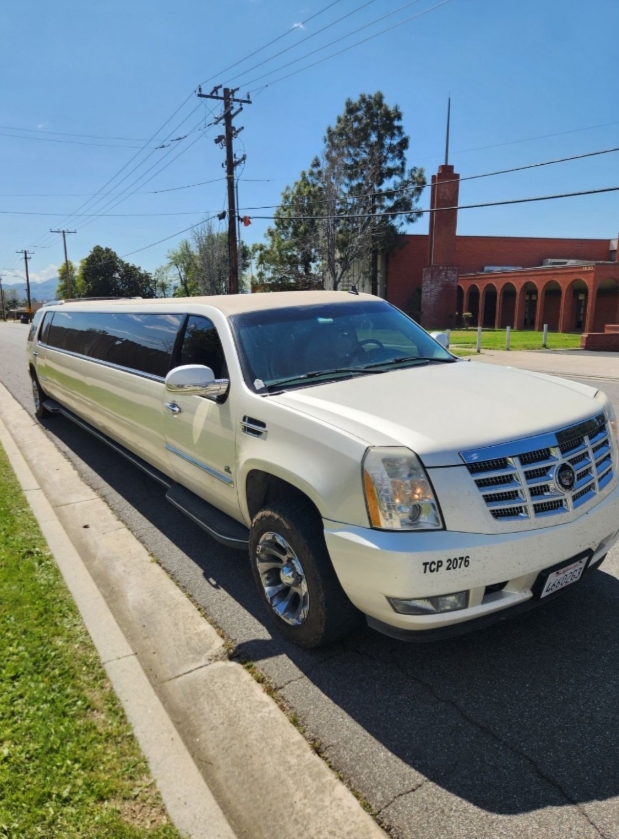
529, 81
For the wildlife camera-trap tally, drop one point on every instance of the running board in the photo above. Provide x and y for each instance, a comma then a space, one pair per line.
52, 406
219, 525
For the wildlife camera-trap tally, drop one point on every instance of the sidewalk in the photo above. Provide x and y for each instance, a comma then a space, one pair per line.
577, 363
227, 760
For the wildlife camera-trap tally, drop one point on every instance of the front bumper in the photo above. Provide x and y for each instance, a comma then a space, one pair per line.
373, 565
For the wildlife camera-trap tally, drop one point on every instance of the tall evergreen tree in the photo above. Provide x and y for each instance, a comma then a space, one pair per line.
353, 202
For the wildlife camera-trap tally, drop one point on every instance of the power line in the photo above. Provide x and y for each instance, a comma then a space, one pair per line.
114, 203
345, 49
167, 238
146, 192
400, 212
530, 139
445, 209
308, 38
70, 142
70, 134
270, 43
354, 197
130, 161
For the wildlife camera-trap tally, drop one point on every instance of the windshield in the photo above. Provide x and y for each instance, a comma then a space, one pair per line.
307, 344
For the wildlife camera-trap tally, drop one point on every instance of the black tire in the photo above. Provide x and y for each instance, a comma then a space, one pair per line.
326, 612
40, 411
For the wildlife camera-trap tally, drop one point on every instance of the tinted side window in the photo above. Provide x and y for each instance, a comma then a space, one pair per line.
138, 341
35, 322
47, 322
201, 345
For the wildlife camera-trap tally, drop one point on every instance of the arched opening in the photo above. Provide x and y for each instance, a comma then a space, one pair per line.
577, 300
459, 305
551, 305
489, 307
606, 303
530, 305
473, 304
508, 309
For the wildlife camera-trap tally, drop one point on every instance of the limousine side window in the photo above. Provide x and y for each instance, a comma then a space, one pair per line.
35, 322
202, 345
141, 342
44, 331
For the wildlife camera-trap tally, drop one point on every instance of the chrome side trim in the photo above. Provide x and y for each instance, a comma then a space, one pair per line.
106, 363
221, 477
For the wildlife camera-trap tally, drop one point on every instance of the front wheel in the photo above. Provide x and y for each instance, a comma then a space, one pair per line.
40, 410
295, 577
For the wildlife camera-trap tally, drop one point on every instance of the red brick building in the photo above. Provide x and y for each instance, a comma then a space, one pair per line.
523, 282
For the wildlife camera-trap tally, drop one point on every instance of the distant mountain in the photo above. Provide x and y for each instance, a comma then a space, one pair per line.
38, 291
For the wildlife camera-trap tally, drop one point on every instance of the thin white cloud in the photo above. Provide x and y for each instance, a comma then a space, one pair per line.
48, 273
298, 26
43, 125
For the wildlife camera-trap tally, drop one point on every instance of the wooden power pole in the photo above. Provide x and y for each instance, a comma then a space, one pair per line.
226, 141
66, 258
27, 256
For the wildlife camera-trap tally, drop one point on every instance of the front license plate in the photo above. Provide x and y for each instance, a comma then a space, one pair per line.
565, 576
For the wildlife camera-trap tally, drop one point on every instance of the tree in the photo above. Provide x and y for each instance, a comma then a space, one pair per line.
202, 266
163, 282
104, 274
292, 256
352, 203
11, 299
181, 261
77, 289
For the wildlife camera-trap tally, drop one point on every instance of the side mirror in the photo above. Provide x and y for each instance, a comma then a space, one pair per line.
196, 380
441, 338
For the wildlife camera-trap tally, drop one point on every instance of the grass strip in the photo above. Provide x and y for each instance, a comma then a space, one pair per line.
523, 339
70, 767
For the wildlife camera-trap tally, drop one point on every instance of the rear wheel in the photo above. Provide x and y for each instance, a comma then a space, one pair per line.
40, 410
295, 577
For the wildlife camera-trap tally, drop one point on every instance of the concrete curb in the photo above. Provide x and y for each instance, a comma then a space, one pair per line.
167, 663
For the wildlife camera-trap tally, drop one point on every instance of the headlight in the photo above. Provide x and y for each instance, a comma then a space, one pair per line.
398, 493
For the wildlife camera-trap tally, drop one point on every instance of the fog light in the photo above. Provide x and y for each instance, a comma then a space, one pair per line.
431, 605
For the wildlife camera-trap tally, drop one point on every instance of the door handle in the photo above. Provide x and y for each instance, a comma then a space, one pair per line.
173, 407
35, 353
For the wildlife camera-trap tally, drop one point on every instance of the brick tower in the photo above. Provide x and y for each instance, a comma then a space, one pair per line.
439, 289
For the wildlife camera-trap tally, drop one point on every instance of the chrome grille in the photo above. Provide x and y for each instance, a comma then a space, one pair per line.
513, 492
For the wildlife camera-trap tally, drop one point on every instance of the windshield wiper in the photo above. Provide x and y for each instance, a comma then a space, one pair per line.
416, 358
303, 377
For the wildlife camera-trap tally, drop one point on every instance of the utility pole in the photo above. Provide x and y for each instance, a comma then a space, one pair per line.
66, 258
27, 255
2, 299
226, 141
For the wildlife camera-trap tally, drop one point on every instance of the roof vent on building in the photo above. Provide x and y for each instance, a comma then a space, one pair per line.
558, 263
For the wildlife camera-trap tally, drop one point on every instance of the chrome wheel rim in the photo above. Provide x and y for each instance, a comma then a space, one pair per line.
35, 393
283, 579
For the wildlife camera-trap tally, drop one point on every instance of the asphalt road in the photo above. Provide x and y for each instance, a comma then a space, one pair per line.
507, 732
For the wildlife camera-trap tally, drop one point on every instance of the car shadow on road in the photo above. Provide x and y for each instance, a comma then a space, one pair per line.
514, 718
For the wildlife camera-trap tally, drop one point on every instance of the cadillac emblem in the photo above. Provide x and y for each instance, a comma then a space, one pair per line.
565, 477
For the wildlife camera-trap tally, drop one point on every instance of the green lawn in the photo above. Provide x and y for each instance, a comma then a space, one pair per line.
70, 767
494, 339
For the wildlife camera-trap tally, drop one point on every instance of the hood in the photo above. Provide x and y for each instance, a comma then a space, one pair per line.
439, 411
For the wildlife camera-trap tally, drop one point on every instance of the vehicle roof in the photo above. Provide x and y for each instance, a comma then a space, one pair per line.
228, 304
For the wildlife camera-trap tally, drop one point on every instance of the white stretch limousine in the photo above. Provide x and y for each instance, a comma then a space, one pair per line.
367, 470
